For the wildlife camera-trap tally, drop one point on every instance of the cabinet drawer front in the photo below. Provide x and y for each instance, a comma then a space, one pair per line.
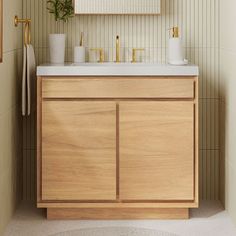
114, 87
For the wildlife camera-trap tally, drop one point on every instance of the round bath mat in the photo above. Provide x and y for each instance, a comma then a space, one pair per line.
114, 231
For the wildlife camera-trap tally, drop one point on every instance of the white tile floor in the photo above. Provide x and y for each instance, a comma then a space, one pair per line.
209, 220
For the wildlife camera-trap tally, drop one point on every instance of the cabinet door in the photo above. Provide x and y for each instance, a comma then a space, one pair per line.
78, 150
157, 150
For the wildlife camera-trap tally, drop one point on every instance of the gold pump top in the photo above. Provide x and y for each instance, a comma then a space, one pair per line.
175, 32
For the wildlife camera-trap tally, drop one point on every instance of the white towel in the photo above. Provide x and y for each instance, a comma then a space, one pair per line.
29, 74
24, 89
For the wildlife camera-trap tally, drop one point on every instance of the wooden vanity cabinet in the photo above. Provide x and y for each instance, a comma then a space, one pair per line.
117, 148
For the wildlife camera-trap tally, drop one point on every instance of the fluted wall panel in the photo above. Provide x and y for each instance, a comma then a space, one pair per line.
199, 27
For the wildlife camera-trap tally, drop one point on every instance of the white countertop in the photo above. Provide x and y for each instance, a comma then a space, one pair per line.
116, 69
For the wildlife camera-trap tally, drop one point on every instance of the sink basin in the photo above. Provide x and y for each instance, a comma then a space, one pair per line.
116, 69
121, 64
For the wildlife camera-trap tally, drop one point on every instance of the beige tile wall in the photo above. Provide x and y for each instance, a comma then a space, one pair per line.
10, 118
199, 26
228, 102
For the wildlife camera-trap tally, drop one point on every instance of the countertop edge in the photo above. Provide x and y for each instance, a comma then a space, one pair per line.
165, 70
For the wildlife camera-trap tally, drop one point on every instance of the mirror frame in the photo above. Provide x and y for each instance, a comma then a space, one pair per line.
93, 12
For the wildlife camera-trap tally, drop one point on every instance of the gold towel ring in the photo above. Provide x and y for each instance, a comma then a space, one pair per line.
27, 34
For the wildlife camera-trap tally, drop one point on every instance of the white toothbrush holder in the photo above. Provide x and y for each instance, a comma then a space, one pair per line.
79, 54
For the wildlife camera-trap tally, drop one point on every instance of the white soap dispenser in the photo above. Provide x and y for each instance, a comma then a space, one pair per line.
176, 54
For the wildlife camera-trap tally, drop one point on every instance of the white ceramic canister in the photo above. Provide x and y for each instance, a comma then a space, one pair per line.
57, 43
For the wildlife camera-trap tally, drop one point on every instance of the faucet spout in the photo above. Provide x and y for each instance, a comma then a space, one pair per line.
117, 48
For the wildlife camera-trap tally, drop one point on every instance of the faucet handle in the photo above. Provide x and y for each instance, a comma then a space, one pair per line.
101, 53
134, 50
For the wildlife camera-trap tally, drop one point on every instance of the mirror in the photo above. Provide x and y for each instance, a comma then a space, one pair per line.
1, 30
118, 7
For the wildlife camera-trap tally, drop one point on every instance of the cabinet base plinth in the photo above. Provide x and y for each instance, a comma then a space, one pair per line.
116, 214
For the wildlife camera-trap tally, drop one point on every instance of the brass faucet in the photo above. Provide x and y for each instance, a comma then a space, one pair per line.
101, 54
117, 49
134, 56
